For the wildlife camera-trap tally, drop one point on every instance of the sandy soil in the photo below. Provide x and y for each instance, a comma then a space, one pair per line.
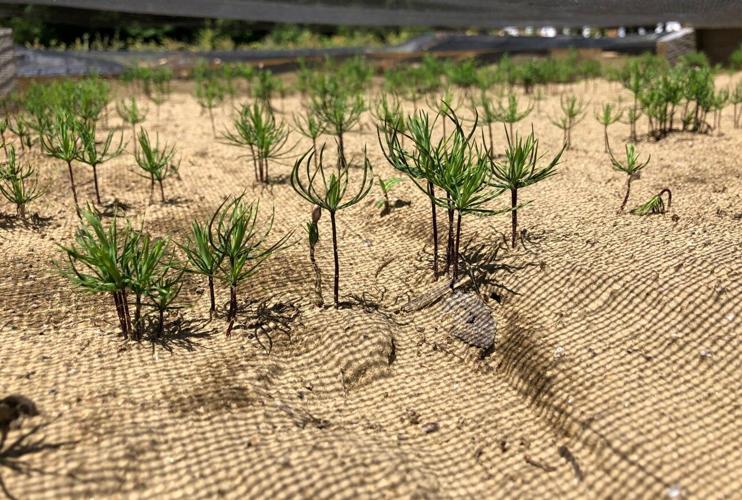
615, 371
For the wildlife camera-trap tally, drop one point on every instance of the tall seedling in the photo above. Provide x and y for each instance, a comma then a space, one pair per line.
329, 192
461, 169
416, 164
519, 170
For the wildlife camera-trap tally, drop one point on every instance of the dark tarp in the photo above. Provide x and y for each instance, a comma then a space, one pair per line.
436, 13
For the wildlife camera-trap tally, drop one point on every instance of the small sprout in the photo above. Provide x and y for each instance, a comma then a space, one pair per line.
389, 113
256, 127
655, 205
156, 161
520, 170
93, 153
609, 114
60, 141
329, 192
631, 167
310, 126
131, 113
632, 117
235, 236
573, 111
157, 87
487, 113
386, 185
340, 112
736, 99
22, 130
210, 94
265, 86
18, 183
508, 112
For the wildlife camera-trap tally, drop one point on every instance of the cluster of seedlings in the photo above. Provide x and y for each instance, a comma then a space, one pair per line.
450, 158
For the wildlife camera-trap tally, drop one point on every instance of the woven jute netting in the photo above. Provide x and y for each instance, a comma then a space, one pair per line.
614, 372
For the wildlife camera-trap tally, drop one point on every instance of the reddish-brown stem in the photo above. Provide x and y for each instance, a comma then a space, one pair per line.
456, 251
336, 286
514, 218
212, 308
431, 191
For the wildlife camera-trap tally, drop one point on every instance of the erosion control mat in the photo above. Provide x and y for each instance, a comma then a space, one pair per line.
613, 351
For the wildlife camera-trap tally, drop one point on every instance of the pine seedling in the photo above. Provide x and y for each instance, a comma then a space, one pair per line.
157, 87
632, 117
573, 111
388, 113
256, 127
89, 98
143, 265
61, 142
156, 161
234, 234
3, 130
462, 171
736, 100
416, 164
202, 258
487, 113
329, 192
509, 114
18, 183
164, 290
630, 167
655, 204
20, 128
445, 100
97, 262
93, 154
210, 94
718, 102
310, 126
340, 112
519, 170
609, 114
386, 185
132, 114
265, 87
312, 229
